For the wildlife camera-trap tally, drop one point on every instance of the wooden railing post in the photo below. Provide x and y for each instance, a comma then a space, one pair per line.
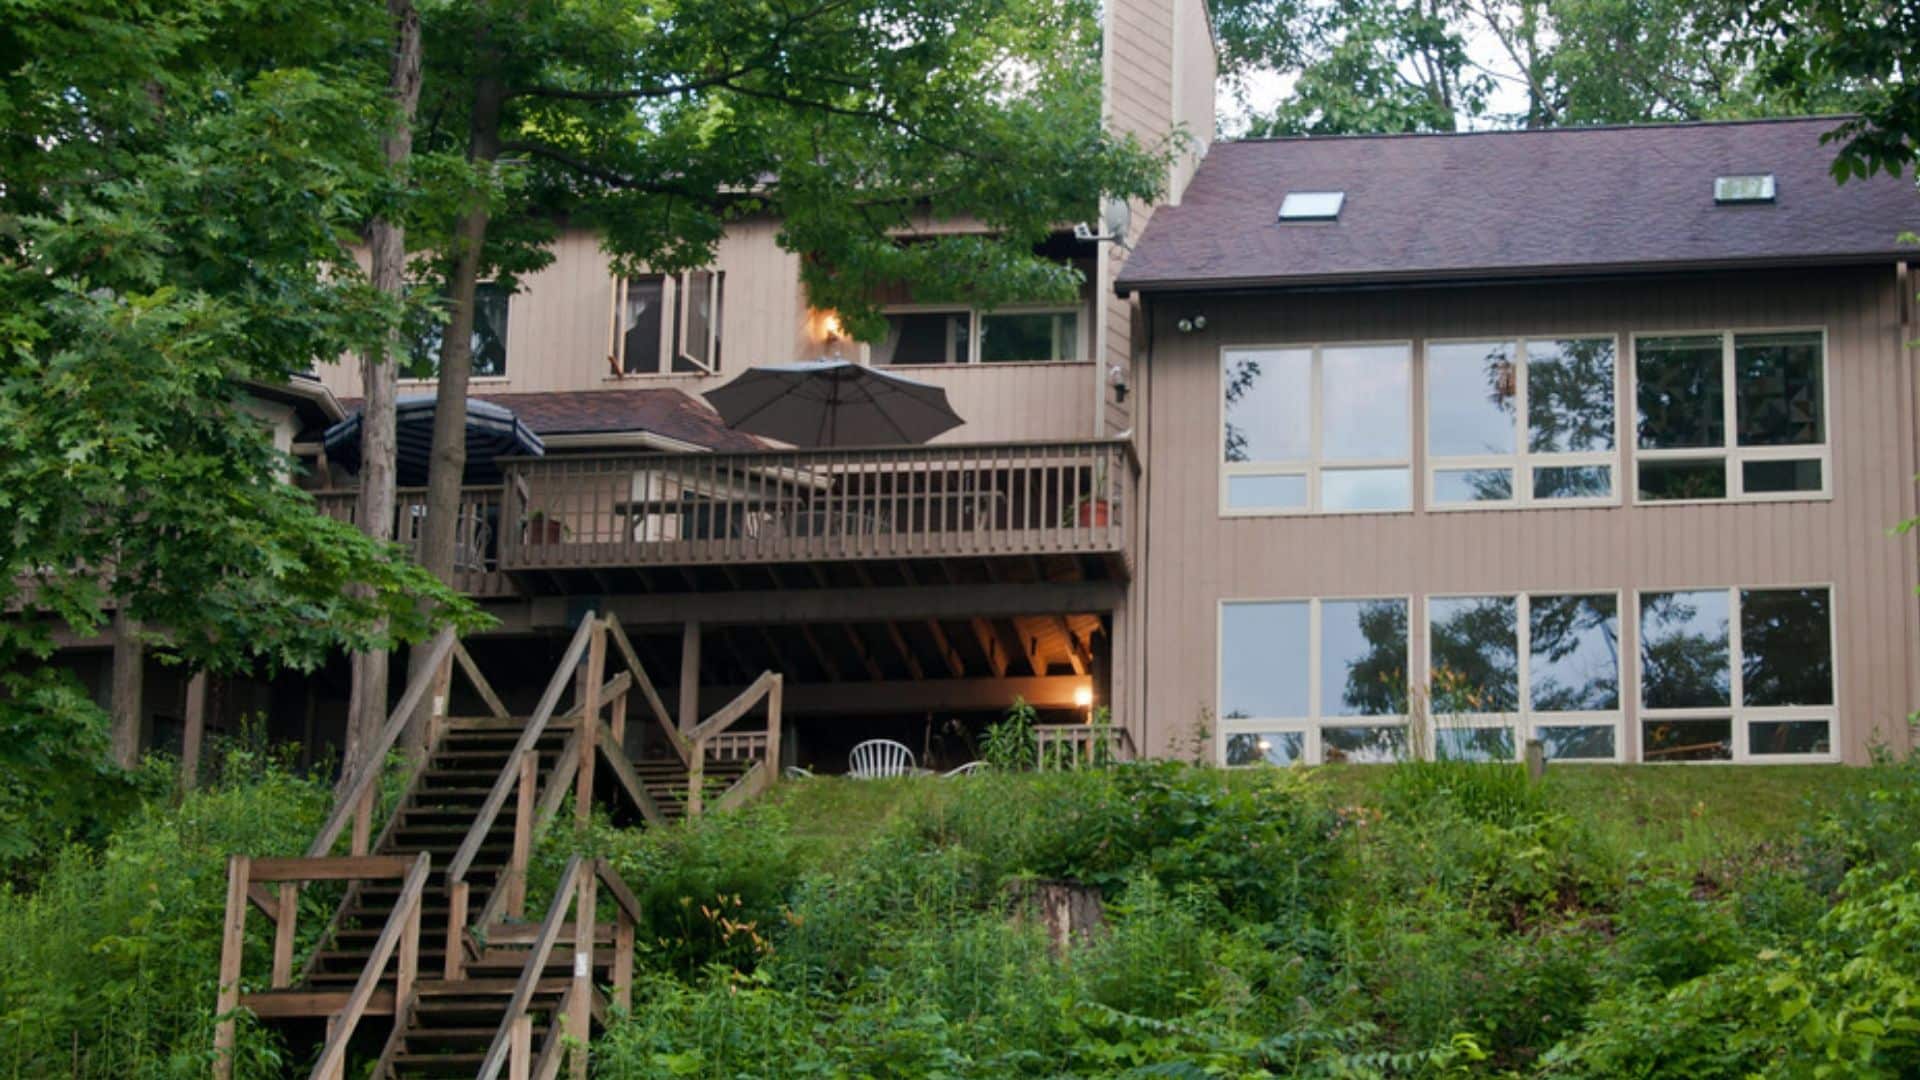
580, 1015
520, 1059
233, 941
773, 726
590, 724
697, 777
516, 875
288, 910
456, 965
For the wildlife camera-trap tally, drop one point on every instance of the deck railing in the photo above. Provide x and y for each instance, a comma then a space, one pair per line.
476, 561
1080, 746
803, 505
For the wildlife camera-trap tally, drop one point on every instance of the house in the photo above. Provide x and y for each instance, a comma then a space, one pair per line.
899, 591
1594, 436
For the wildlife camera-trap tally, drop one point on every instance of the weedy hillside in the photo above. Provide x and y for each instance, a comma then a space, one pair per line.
1416, 920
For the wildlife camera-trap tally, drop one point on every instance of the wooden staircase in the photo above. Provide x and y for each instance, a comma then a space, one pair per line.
432, 930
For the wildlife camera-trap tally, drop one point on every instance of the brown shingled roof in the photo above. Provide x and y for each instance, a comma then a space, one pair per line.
1566, 201
660, 410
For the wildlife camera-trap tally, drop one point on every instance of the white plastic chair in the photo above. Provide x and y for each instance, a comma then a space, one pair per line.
968, 769
877, 758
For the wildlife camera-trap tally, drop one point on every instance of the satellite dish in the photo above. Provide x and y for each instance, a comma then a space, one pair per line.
1116, 219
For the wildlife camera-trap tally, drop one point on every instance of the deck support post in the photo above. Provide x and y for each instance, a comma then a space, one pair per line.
689, 676
129, 663
194, 732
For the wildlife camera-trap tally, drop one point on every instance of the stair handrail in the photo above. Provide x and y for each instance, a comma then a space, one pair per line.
513, 1035
509, 778
658, 707
769, 686
533, 816
242, 879
513, 1040
367, 769
402, 932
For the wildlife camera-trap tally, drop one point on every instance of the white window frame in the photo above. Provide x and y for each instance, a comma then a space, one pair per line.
1522, 461
1310, 725
681, 305
974, 314
1526, 723
1731, 453
674, 297
1316, 464
1738, 714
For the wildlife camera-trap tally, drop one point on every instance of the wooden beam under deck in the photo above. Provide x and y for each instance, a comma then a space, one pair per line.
909, 696
915, 603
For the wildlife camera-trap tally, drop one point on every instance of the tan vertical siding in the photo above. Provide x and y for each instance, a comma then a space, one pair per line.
559, 321
1196, 558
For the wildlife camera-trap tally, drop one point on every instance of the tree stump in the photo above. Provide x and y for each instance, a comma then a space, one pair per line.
1071, 912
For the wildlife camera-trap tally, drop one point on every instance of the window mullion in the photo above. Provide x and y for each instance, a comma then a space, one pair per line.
1729, 412
1522, 468
1313, 677
1316, 426
1736, 678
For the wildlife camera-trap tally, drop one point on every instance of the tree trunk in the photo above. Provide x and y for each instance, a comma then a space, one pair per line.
193, 733
448, 463
387, 243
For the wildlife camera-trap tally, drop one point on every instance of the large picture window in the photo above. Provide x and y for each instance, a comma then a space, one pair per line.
1520, 421
1737, 675
1505, 668
1316, 428
1313, 681
1731, 415
491, 304
963, 335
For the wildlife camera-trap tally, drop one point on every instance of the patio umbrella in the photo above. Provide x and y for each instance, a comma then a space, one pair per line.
834, 403
493, 432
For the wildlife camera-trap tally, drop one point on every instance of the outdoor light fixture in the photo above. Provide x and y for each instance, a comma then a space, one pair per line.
1191, 323
830, 327
1083, 697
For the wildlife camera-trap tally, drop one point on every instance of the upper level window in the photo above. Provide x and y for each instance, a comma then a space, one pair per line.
1520, 421
1313, 681
675, 316
1736, 674
1731, 415
491, 304
1316, 428
962, 335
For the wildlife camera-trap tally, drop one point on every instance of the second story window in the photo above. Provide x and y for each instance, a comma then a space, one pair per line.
491, 304
1316, 428
667, 323
1731, 415
962, 335
1520, 421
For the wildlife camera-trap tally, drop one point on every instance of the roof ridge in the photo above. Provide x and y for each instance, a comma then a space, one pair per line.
1568, 129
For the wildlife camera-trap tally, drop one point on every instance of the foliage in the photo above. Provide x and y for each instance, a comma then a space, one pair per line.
110, 958
183, 185
1364, 66
1819, 49
1009, 741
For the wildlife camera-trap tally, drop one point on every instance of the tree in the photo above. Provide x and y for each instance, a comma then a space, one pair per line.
183, 184
380, 376
1818, 52
1405, 65
841, 119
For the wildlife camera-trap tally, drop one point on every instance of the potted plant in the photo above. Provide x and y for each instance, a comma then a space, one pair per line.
544, 529
1092, 509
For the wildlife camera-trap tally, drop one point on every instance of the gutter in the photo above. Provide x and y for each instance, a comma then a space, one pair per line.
1519, 275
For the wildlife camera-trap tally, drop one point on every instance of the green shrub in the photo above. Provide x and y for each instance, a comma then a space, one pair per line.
109, 967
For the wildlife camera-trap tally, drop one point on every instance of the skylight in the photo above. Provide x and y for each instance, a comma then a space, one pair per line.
1755, 188
1311, 205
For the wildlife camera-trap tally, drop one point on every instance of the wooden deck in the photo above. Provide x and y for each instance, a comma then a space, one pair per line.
594, 517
